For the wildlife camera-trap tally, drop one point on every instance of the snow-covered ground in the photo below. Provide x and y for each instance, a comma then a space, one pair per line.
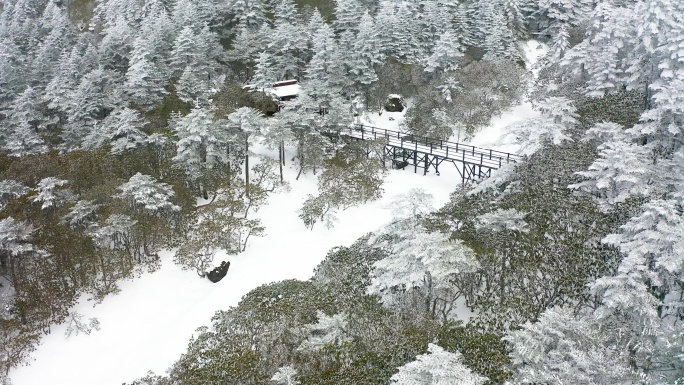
147, 326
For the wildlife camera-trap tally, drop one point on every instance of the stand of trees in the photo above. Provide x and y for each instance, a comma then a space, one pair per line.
117, 116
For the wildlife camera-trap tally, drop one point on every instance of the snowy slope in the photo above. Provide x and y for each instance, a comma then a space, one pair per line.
147, 325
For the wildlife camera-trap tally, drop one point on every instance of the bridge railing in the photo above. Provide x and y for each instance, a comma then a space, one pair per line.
451, 150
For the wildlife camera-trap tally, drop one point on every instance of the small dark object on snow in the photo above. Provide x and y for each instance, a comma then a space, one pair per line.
219, 272
394, 103
400, 164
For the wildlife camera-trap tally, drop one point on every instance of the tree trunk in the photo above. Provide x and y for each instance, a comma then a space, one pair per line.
247, 166
281, 160
282, 146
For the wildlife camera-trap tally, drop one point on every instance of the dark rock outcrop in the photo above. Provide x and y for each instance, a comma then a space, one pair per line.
219, 272
394, 103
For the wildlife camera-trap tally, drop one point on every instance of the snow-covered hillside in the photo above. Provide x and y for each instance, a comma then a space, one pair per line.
148, 324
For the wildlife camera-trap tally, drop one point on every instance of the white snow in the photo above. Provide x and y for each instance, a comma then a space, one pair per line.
148, 324
283, 91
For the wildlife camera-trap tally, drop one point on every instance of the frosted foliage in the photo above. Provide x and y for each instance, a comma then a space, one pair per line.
264, 73
48, 193
126, 127
329, 330
15, 236
678, 166
499, 40
285, 376
113, 234
144, 82
499, 220
146, 192
23, 140
347, 15
657, 231
248, 120
415, 202
606, 132
201, 143
287, 44
193, 58
561, 349
449, 88
326, 63
640, 303
247, 13
492, 184
558, 116
76, 325
367, 44
623, 170
26, 107
437, 367
81, 214
417, 260
10, 189
446, 54
122, 130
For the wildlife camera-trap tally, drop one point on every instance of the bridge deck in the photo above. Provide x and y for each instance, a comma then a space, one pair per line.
459, 152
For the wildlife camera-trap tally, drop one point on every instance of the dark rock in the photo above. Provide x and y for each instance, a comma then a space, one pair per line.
399, 164
219, 272
394, 103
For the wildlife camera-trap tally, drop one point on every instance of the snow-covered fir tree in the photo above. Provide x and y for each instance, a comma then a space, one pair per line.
437, 367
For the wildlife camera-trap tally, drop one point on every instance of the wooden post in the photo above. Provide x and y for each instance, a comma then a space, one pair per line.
426, 164
415, 160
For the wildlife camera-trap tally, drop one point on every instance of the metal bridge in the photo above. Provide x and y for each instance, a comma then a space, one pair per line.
426, 153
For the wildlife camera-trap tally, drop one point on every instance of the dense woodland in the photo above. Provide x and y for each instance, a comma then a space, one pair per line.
125, 130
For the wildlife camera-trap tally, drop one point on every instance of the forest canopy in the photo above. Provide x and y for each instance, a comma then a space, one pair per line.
125, 129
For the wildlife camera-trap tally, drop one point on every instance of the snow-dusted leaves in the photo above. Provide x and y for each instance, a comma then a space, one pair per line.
201, 144
23, 140
437, 367
510, 219
49, 194
10, 189
414, 202
563, 349
623, 170
286, 375
146, 192
558, 117
122, 129
499, 184
15, 236
607, 132
115, 232
417, 259
446, 54
329, 330
81, 214
658, 232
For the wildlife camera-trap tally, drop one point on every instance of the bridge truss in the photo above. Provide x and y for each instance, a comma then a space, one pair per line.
404, 150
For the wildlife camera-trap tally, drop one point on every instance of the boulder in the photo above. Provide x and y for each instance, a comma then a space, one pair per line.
219, 272
399, 164
394, 103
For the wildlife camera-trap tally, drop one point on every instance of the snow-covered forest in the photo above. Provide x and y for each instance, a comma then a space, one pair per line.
136, 130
